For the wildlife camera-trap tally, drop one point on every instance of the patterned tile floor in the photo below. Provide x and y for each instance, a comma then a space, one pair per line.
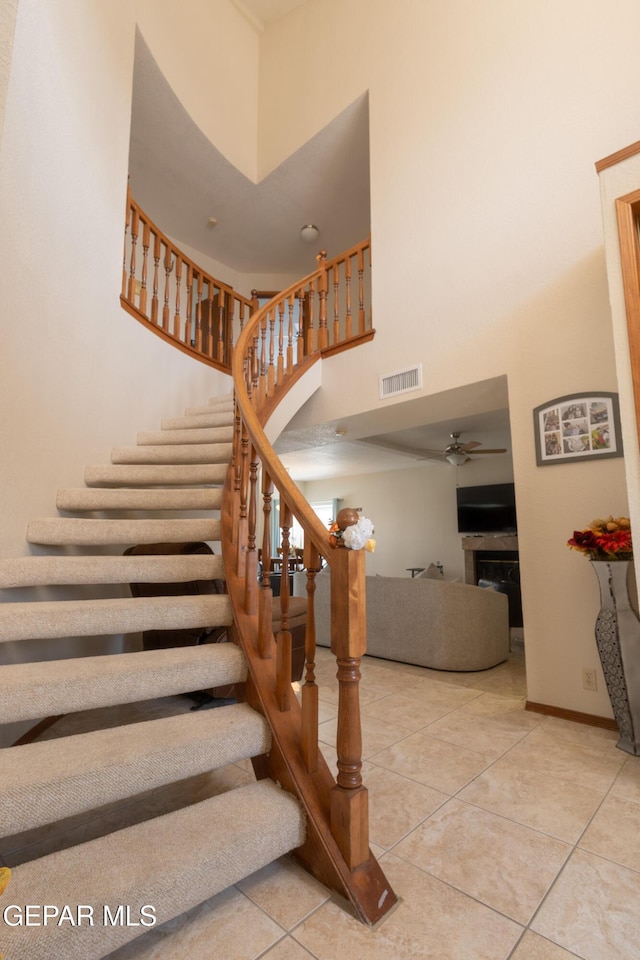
506, 834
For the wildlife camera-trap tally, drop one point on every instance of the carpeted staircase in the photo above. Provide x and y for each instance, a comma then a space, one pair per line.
171, 862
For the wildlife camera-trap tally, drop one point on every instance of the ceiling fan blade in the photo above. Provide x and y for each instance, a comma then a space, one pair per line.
501, 450
470, 446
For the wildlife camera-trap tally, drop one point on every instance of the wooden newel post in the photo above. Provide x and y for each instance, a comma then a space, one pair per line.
349, 799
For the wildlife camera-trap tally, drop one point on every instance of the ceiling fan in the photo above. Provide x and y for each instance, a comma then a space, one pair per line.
457, 453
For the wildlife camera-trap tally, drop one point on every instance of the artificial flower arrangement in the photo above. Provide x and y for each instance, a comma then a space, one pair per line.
608, 539
352, 532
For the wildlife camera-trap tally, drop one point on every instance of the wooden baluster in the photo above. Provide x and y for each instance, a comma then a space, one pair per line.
241, 556
176, 316
146, 239
127, 220
168, 267
231, 300
265, 628
135, 227
347, 280
251, 577
221, 338
241, 315
336, 303
156, 278
198, 337
310, 687
349, 800
310, 303
207, 332
262, 383
271, 370
361, 319
188, 320
323, 332
289, 363
283, 667
280, 368
302, 324
255, 369
237, 470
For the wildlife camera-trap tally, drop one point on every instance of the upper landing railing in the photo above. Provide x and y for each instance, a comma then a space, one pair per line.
177, 299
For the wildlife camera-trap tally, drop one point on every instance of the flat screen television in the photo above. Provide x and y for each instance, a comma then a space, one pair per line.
487, 509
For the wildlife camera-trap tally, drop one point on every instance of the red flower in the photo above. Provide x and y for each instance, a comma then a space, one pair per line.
617, 542
584, 540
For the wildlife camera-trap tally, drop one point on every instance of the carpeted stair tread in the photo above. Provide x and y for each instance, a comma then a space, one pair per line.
199, 421
222, 407
172, 862
202, 435
158, 475
122, 498
174, 453
48, 781
73, 531
44, 571
48, 688
47, 619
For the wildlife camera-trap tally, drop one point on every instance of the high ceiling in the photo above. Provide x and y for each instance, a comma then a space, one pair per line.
181, 180
263, 12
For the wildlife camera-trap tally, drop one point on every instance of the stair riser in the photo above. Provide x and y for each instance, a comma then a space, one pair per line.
213, 435
32, 690
63, 777
172, 862
90, 618
160, 475
56, 571
174, 454
198, 422
72, 532
123, 499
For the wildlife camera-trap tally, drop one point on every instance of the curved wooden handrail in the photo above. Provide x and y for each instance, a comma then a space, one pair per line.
312, 318
168, 292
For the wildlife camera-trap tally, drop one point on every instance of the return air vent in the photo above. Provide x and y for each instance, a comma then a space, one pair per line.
402, 381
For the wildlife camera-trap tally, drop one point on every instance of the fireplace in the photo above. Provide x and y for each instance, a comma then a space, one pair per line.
493, 561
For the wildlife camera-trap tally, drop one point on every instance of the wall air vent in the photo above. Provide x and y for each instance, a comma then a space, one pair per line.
402, 381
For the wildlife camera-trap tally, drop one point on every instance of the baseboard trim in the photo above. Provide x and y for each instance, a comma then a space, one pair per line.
36, 730
589, 718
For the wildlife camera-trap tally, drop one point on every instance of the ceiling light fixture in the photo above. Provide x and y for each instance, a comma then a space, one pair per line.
212, 222
457, 459
309, 233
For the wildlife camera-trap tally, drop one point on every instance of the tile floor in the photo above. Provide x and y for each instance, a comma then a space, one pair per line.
506, 834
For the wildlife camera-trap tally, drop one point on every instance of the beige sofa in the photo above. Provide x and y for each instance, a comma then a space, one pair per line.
441, 624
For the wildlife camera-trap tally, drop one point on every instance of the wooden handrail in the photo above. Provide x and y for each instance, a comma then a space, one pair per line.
312, 318
186, 306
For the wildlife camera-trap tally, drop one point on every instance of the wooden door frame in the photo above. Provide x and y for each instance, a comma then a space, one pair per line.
628, 217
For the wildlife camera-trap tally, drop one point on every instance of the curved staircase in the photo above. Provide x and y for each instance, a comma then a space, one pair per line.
162, 866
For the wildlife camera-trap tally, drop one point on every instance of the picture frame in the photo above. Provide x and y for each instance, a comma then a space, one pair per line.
576, 427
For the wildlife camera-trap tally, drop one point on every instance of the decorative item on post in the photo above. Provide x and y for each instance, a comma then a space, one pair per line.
608, 545
351, 531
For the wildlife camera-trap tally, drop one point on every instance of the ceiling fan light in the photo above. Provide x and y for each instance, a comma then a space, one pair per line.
456, 459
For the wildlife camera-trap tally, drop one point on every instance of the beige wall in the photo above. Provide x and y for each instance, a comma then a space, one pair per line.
485, 122
209, 55
8, 9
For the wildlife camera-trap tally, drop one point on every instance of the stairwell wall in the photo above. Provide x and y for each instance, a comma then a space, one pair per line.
78, 375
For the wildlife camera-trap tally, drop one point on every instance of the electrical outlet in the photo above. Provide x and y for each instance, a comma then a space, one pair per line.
589, 679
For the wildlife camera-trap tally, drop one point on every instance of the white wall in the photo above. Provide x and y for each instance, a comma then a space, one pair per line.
209, 55
485, 122
413, 511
